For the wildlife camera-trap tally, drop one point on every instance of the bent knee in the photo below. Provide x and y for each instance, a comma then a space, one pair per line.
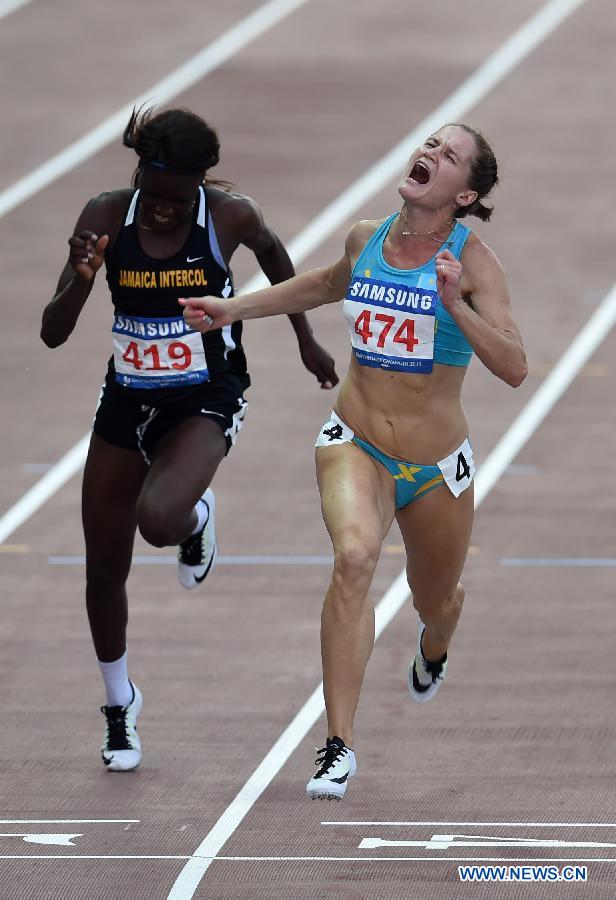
157, 524
155, 532
355, 560
430, 601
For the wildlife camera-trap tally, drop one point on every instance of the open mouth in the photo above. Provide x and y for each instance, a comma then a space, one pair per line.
420, 173
161, 220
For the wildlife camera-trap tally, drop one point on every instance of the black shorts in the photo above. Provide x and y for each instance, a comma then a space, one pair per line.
124, 421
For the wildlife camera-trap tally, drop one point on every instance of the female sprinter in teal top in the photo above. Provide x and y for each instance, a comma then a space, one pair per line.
422, 293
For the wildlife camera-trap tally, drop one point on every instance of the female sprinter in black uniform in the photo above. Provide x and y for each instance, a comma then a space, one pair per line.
172, 402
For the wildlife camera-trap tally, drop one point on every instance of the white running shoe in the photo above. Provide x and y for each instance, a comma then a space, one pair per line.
336, 764
121, 747
197, 554
425, 677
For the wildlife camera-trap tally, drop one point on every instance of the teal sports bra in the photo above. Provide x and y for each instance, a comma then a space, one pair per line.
395, 316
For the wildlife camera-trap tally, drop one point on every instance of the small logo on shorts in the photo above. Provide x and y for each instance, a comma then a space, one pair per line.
334, 433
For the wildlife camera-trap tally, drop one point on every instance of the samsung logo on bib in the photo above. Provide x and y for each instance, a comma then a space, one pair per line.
156, 328
383, 293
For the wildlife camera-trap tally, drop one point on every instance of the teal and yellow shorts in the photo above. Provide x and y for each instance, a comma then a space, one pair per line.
411, 481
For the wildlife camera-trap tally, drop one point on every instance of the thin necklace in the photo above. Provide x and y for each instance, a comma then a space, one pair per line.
428, 234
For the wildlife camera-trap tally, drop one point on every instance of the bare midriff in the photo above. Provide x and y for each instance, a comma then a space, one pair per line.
414, 418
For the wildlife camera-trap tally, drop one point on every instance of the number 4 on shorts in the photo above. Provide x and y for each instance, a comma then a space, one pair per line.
463, 470
458, 468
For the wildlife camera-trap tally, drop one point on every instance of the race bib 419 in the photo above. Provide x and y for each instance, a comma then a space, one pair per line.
157, 353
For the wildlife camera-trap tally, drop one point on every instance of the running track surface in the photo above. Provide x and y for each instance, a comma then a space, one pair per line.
523, 731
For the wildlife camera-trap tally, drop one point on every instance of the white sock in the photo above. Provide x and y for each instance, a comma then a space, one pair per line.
203, 514
117, 685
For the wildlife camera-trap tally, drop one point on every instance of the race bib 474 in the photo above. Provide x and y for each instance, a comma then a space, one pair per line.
391, 325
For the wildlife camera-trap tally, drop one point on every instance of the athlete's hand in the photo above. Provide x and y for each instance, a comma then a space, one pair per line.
318, 361
448, 279
206, 313
87, 253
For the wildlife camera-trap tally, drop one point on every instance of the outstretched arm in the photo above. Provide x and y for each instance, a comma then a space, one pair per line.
306, 291
485, 320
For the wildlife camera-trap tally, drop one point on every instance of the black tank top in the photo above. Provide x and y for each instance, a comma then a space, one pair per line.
157, 359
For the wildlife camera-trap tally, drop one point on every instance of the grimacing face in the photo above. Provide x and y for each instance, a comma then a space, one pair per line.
438, 172
166, 197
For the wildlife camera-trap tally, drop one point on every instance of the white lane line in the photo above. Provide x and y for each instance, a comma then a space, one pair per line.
67, 821
364, 824
220, 560
522, 429
82, 856
521, 470
451, 841
359, 859
182, 78
571, 562
9, 6
496, 67
351, 859
408, 859
51, 482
